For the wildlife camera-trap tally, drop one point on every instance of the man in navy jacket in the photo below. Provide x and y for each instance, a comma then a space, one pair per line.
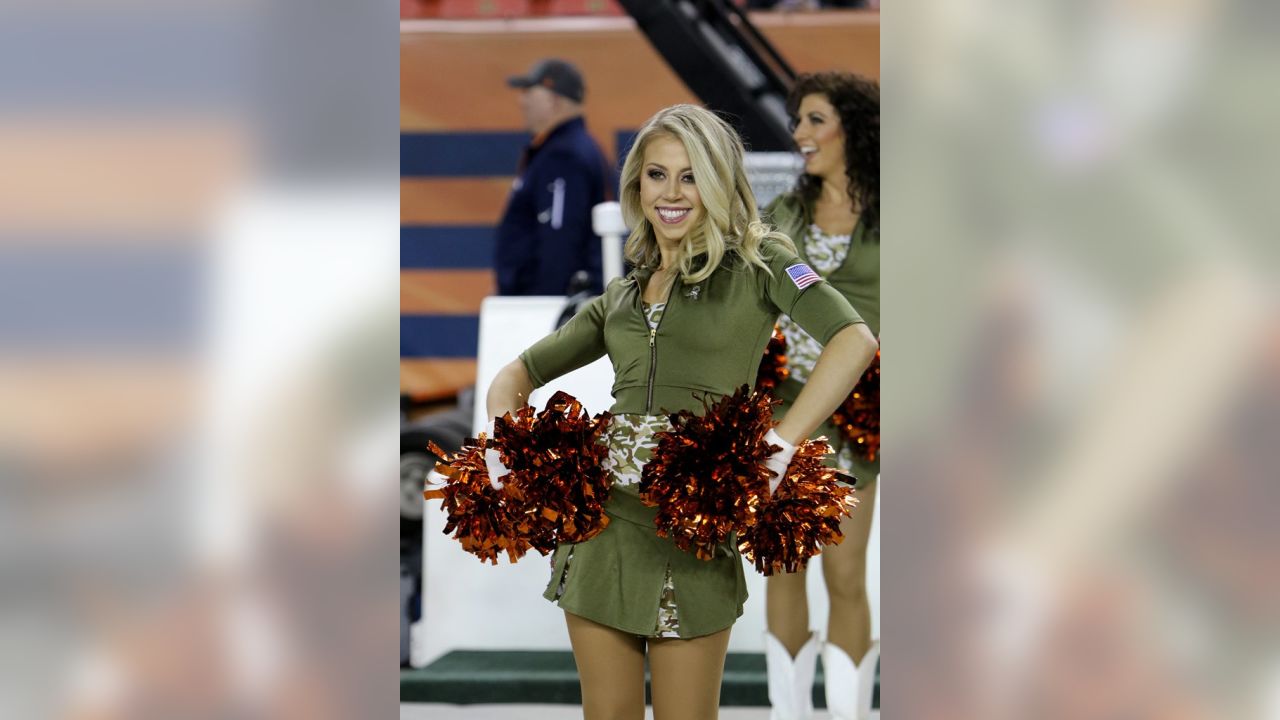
545, 235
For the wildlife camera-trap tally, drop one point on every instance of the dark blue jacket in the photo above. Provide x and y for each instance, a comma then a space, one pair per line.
545, 235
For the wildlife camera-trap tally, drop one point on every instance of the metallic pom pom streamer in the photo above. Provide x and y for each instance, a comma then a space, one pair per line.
707, 479
858, 417
773, 367
707, 476
801, 517
554, 493
558, 463
486, 521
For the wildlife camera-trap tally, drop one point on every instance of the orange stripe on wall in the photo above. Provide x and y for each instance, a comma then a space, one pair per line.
620, 95
444, 292
454, 201
477, 58
426, 380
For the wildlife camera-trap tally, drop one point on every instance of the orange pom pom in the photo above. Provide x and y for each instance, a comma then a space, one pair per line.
803, 515
486, 521
858, 417
560, 464
554, 493
707, 472
773, 367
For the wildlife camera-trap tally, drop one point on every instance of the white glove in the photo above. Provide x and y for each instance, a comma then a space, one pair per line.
778, 461
493, 461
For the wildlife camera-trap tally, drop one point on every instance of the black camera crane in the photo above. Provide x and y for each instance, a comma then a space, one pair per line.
722, 57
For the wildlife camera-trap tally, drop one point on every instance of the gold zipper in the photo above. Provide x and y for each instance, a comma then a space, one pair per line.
653, 350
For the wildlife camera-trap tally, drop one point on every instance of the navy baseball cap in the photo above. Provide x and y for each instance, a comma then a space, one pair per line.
554, 74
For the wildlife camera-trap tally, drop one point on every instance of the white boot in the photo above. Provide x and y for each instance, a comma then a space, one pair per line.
791, 679
849, 687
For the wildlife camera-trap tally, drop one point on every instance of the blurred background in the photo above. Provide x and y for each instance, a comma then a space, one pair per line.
197, 360
1080, 272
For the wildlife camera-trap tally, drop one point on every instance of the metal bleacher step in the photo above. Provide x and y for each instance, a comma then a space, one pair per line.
468, 677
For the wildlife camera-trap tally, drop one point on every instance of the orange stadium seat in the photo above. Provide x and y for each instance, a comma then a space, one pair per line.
462, 9
413, 9
584, 7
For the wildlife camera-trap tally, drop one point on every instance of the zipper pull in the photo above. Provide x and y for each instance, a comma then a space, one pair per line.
653, 332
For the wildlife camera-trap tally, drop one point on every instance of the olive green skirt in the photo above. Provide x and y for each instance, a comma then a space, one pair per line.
617, 576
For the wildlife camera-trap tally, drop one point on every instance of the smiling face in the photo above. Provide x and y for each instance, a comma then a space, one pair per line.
668, 193
820, 137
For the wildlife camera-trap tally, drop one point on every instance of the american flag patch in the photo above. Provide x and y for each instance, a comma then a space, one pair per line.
802, 275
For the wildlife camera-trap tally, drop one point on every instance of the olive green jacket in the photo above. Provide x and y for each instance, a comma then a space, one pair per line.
857, 279
710, 340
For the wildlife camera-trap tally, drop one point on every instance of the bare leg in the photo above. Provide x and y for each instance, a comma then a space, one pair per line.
610, 670
686, 676
786, 609
844, 570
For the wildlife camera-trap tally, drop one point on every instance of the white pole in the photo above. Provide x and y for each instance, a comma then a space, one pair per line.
606, 221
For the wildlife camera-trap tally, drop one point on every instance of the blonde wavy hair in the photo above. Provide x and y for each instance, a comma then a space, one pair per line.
730, 224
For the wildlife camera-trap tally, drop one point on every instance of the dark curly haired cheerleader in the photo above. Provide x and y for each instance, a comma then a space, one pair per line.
833, 216
855, 101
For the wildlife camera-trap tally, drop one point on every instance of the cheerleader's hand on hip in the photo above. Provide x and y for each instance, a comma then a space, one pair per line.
493, 461
778, 461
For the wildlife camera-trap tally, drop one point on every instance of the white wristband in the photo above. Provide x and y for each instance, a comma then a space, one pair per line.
788, 450
493, 461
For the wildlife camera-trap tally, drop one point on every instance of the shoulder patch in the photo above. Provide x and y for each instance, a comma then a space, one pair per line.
802, 275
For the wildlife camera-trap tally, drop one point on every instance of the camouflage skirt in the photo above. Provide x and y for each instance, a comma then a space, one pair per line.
630, 579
